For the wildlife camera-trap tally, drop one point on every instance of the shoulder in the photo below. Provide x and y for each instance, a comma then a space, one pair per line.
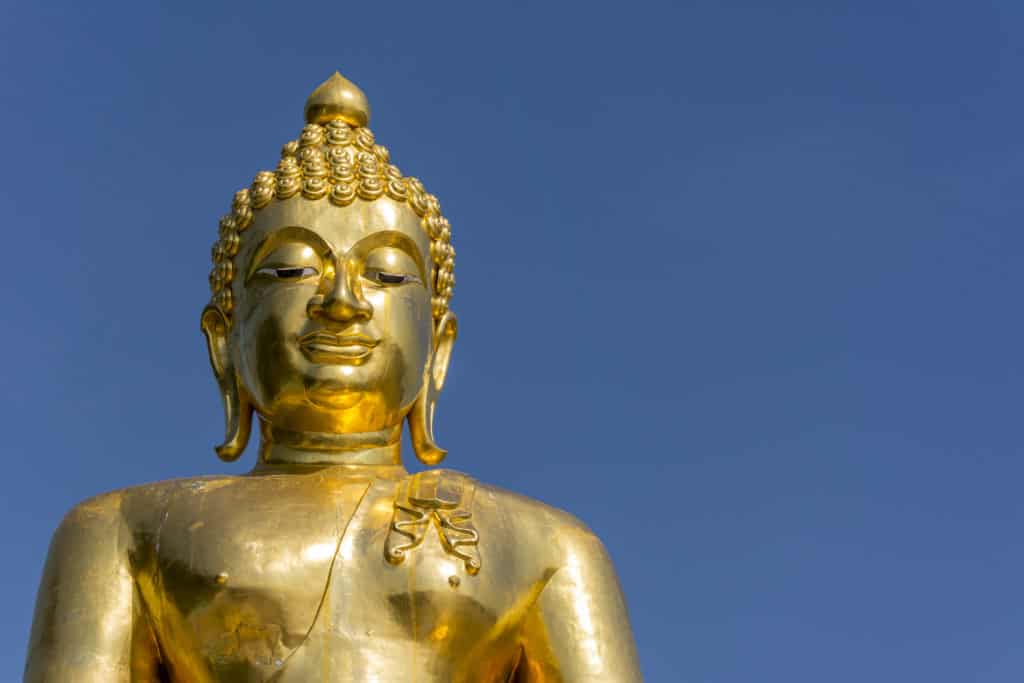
554, 535
530, 512
130, 509
97, 514
91, 539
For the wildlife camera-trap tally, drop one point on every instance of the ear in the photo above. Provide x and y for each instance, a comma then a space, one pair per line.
421, 417
237, 410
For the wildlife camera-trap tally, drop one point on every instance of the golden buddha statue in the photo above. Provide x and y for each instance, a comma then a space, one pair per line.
329, 562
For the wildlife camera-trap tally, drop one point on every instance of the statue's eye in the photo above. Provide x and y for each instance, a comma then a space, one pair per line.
386, 278
297, 273
389, 266
392, 278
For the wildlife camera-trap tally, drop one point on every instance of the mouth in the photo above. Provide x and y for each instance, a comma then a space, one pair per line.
326, 347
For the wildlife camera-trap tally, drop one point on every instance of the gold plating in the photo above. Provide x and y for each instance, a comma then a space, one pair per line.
338, 98
335, 157
442, 499
328, 562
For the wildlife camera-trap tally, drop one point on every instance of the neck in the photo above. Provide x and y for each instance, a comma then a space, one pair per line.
285, 447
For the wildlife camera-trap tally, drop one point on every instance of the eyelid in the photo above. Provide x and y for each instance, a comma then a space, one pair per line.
392, 258
284, 251
394, 242
275, 272
277, 252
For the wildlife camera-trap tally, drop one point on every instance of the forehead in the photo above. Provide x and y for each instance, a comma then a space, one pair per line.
339, 226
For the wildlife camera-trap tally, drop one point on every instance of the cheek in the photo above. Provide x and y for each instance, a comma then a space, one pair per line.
266, 321
282, 307
404, 318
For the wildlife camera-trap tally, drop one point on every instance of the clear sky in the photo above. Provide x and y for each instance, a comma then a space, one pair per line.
738, 285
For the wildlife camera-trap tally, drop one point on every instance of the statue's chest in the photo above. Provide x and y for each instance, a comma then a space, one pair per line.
242, 571
382, 621
295, 581
424, 601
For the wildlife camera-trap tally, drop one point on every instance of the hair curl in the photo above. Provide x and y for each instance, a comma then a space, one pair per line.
342, 163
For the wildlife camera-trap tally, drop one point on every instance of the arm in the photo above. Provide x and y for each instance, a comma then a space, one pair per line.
579, 629
88, 625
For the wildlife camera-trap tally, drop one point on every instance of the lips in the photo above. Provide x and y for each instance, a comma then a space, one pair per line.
327, 347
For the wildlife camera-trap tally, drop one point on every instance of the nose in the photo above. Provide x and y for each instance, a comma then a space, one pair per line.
343, 301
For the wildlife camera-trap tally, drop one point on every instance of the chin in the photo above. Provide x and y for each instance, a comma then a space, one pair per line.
346, 378
338, 412
326, 396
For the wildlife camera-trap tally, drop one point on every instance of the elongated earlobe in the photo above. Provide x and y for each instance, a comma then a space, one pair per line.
237, 410
237, 423
421, 417
421, 431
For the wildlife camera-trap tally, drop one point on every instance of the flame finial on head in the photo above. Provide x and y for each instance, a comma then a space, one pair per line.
338, 98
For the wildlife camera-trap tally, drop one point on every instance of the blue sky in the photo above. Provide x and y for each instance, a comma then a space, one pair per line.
738, 286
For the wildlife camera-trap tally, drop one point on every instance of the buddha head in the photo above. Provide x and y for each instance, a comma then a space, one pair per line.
331, 284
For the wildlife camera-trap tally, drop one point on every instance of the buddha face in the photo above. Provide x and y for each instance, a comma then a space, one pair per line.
332, 326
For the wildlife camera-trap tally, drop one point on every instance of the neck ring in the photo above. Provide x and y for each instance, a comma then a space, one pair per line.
284, 446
